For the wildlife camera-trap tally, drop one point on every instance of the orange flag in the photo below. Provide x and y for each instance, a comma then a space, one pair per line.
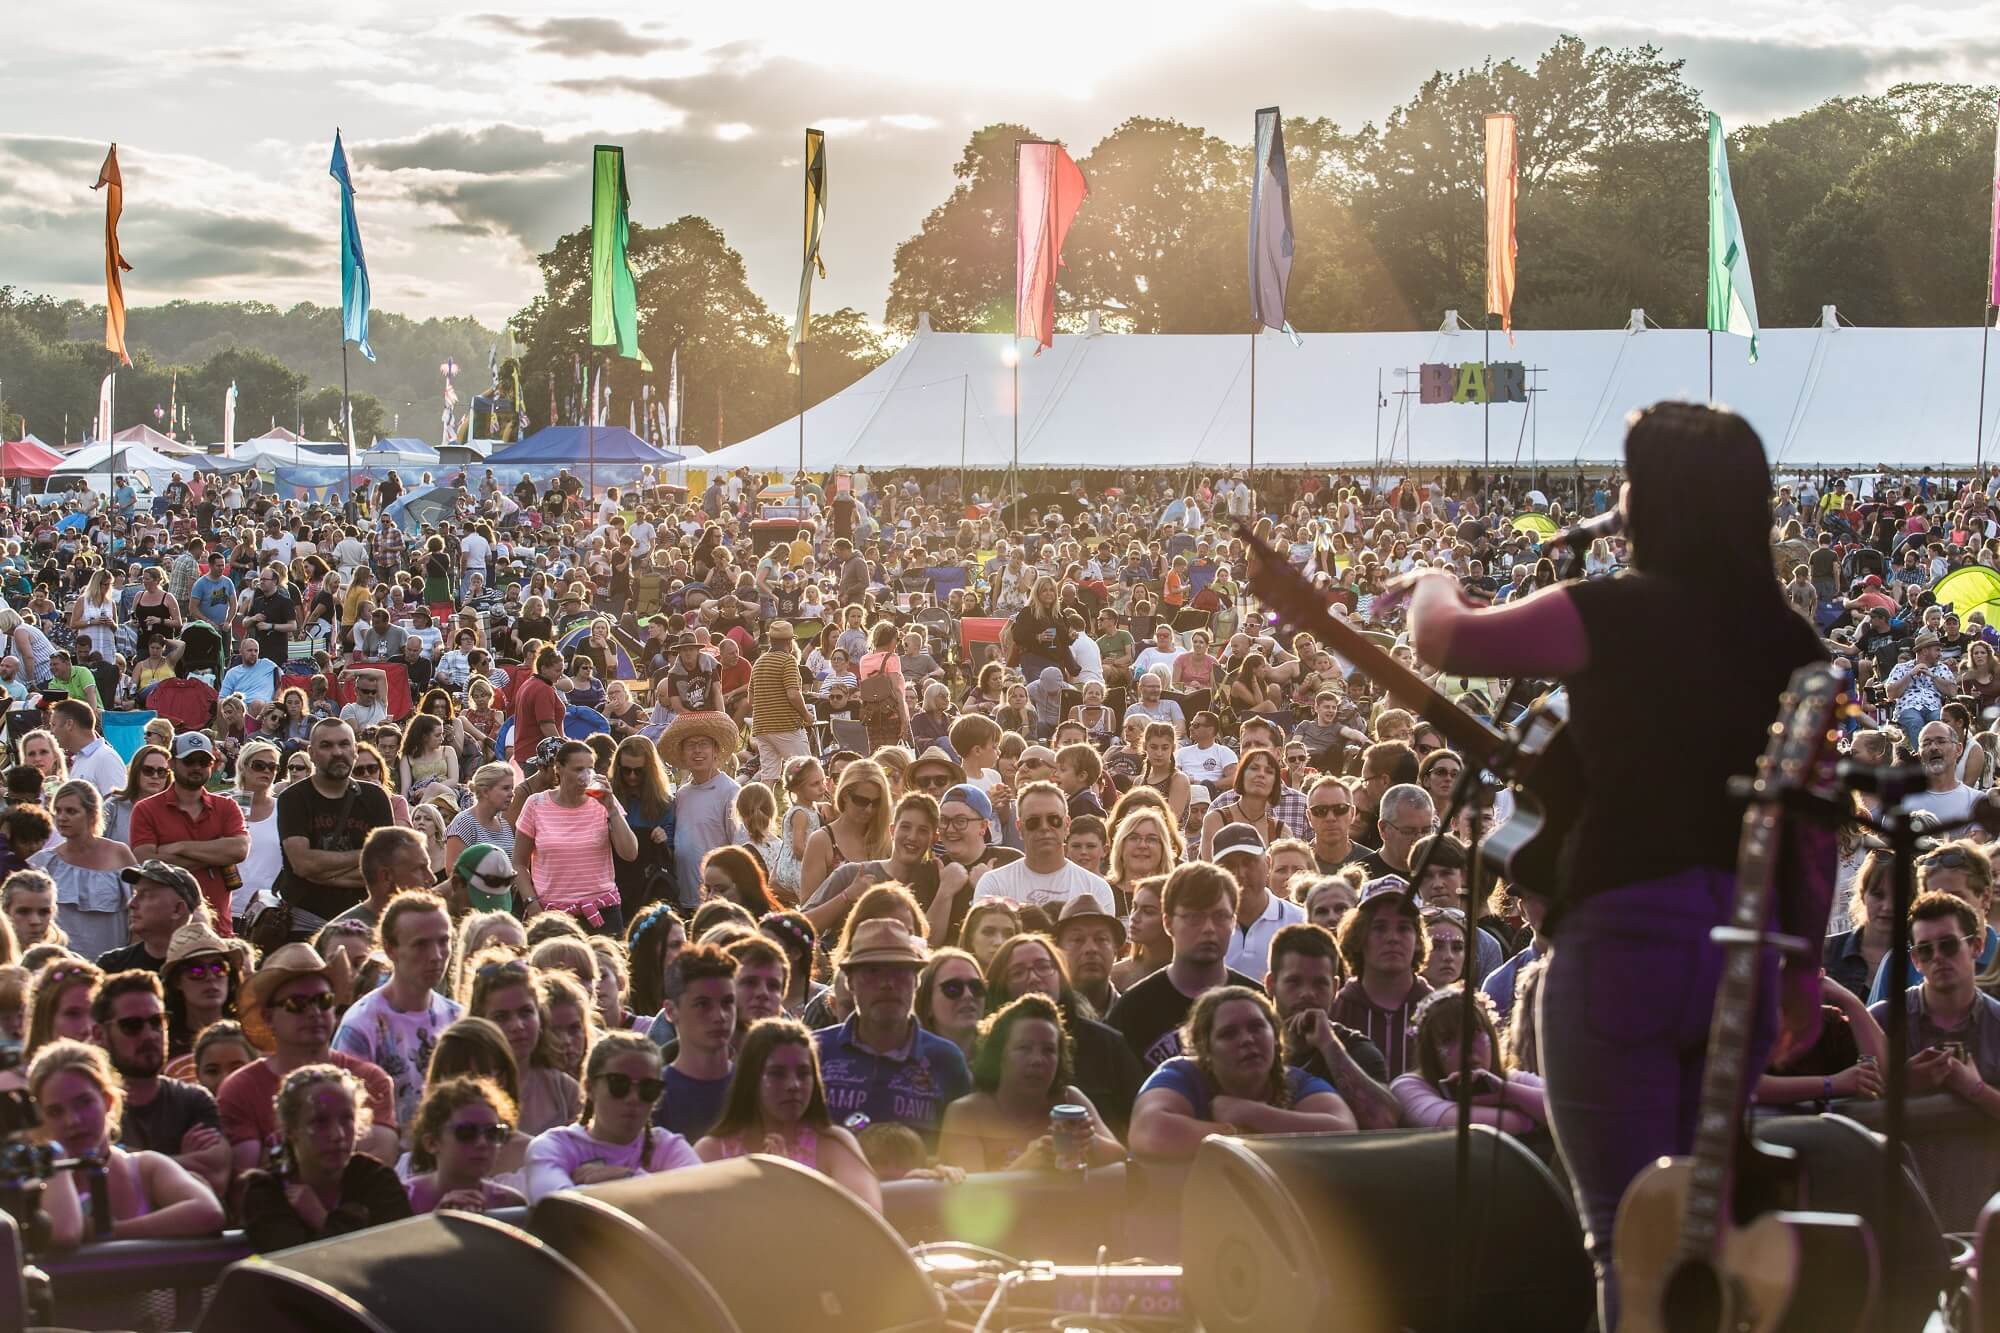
114, 261
1502, 186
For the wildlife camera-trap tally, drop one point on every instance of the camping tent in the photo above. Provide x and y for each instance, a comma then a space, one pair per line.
1829, 394
425, 504
28, 458
577, 446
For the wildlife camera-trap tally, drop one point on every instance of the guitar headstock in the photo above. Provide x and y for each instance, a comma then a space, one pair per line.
1290, 602
1803, 753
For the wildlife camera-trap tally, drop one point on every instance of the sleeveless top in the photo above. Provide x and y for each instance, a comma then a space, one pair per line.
805, 1151
785, 867
99, 628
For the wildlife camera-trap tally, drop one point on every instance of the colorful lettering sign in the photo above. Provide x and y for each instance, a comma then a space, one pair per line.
1473, 382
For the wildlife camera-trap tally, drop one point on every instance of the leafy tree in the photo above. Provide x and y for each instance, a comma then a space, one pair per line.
960, 265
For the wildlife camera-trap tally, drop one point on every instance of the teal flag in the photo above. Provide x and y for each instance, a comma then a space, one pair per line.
353, 264
614, 291
1732, 302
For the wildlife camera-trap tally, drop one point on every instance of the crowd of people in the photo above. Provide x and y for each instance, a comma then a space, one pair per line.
572, 837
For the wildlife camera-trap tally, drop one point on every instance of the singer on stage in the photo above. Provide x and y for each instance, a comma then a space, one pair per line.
1674, 673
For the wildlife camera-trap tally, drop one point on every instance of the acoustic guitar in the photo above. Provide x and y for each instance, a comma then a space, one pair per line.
1544, 771
1691, 1251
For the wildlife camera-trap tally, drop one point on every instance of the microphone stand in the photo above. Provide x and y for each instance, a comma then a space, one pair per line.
1473, 787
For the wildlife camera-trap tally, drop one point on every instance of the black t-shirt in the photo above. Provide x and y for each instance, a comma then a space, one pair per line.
162, 1123
1149, 1016
1367, 1056
278, 609
132, 957
1678, 698
1356, 851
338, 825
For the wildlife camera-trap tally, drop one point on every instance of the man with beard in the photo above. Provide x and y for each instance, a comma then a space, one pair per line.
395, 1027
1938, 749
322, 823
129, 1020
1091, 939
1199, 902
189, 826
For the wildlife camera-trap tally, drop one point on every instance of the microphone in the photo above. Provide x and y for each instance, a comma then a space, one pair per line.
1607, 524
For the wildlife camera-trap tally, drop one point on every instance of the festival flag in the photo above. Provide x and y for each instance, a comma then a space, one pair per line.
1270, 226
815, 221
614, 291
103, 429
174, 404
673, 405
229, 421
1732, 303
1503, 186
353, 265
114, 259
1993, 249
1049, 191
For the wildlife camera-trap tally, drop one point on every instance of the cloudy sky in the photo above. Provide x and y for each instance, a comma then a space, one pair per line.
470, 129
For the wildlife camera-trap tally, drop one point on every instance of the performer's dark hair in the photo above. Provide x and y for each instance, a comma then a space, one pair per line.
1700, 507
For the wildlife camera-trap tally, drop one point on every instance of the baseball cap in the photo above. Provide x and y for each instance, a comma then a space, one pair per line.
1198, 795
1233, 838
488, 873
175, 878
967, 794
193, 742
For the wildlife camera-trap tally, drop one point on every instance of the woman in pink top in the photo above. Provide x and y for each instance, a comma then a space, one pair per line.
564, 840
777, 1105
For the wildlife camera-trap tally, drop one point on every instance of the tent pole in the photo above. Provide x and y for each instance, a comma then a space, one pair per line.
1979, 430
964, 410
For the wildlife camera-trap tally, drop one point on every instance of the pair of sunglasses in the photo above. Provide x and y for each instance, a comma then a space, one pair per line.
494, 1134
620, 1086
956, 988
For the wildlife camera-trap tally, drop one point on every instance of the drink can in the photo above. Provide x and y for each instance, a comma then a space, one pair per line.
1069, 1131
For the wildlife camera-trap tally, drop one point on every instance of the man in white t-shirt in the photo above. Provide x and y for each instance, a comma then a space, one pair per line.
1944, 795
350, 552
1045, 876
1205, 759
474, 549
1161, 652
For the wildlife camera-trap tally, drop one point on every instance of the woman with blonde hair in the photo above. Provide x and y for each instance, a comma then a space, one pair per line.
507, 992
859, 832
86, 866
81, 1099
569, 1015
639, 780
477, 933
804, 782
1144, 843
94, 616
59, 1002
40, 751
486, 819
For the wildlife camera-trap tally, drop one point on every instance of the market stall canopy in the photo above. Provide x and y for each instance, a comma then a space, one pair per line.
145, 435
399, 449
575, 447
28, 458
1831, 394
268, 451
111, 460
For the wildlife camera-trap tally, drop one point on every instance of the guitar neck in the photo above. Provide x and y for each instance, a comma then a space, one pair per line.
1287, 592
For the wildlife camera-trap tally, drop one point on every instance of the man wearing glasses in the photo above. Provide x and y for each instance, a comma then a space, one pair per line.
370, 707
1330, 819
129, 1020
1407, 814
1044, 876
1960, 869
1954, 1027
189, 827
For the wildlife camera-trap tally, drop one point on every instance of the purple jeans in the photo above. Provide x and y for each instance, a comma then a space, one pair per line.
1624, 1014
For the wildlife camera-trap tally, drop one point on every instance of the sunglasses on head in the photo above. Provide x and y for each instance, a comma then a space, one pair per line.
957, 987
494, 1134
621, 1086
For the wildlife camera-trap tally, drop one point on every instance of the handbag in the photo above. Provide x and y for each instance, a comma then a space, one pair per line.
881, 687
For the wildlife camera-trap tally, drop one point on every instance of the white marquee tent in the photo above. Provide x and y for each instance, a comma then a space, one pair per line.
1832, 394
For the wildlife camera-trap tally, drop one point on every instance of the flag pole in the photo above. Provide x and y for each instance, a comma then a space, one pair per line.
1250, 477
347, 423
1979, 429
1014, 347
590, 430
1711, 365
1486, 378
799, 497
964, 410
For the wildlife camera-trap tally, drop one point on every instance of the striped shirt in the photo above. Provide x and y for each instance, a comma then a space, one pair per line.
1389, 1029
772, 678
572, 859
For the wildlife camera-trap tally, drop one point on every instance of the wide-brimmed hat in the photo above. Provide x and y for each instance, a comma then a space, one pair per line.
196, 938
884, 941
728, 737
935, 757
1085, 907
281, 967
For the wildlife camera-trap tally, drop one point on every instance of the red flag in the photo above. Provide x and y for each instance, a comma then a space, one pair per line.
1502, 191
114, 259
1049, 189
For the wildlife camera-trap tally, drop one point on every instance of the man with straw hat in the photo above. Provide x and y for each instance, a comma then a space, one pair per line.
704, 807
288, 1009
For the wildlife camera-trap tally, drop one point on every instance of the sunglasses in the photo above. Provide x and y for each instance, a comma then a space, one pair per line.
306, 1004
1948, 947
864, 802
135, 1026
296, 770
620, 1086
939, 783
494, 1134
155, 771
213, 967
1036, 823
368, 770
262, 766
1329, 811
957, 987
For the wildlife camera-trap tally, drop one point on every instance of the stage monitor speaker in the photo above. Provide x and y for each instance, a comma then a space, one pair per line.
441, 1271
649, 1280
1357, 1232
855, 1275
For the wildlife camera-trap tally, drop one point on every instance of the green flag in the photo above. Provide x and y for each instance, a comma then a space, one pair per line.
614, 292
1732, 302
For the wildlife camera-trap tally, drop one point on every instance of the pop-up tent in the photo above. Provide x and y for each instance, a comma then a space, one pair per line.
143, 434
578, 446
111, 460
398, 449
28, 458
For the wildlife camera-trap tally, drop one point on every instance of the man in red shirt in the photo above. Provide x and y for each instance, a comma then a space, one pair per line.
188, 826
538, 709
733, 675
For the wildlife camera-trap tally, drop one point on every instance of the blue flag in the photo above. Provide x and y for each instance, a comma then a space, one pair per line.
353, 267
1270, 225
